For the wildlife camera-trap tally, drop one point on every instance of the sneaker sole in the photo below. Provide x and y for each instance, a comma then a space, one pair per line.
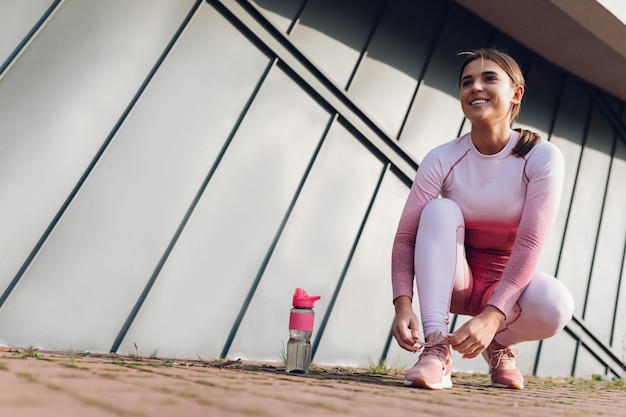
446, 382
512, 385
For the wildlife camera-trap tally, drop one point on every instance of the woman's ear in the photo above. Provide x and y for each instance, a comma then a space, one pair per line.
518, 93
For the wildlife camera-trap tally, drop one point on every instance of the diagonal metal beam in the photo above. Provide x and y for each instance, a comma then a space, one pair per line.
603, 353
250, 17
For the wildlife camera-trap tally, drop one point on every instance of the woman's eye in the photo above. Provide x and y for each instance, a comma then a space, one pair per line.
466, 83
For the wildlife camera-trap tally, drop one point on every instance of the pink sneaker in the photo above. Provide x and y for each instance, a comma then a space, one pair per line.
433, 370
504, 370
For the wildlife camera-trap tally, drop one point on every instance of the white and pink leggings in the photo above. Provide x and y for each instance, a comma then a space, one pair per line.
445, 283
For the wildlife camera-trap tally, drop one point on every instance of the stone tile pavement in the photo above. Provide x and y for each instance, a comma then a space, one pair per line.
43, 383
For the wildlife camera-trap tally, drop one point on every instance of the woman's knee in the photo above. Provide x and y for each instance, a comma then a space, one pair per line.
550, 302
564, 305
441, 209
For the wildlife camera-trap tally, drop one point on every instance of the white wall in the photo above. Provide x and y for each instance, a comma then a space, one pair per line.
166, 183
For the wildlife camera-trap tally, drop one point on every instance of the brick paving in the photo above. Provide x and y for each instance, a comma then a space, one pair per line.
50, 384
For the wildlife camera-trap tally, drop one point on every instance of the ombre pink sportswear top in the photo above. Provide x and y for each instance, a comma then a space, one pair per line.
509, 204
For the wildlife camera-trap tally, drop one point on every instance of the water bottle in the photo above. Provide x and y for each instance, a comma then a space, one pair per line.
300, 329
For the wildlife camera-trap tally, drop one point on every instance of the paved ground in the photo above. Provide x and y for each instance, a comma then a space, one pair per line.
50, 384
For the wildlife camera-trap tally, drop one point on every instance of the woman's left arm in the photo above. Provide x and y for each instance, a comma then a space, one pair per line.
543, 172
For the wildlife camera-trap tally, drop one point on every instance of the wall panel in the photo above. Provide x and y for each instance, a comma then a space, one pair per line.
618, 339
316, 243
103, 251
322, 34
395, 59
619, 326
363, 304
582, 228
62, 98
557, 355
543, 89
587, 365
214, 264
280, 13
607, 268
568, 135
17, 19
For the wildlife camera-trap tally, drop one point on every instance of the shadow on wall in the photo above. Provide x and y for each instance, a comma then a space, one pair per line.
427, 36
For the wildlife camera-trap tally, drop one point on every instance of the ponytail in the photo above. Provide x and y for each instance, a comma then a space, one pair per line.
527, 140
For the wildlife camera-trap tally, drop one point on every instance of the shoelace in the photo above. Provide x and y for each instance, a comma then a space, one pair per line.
504, 354
442, 342
439, 348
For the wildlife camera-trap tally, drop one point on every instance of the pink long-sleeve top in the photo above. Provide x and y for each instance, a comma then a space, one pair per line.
509, 204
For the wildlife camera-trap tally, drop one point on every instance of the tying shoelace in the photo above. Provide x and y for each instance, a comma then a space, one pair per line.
502, 354
423, 345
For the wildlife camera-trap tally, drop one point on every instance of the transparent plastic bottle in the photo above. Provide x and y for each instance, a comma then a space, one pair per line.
301, 320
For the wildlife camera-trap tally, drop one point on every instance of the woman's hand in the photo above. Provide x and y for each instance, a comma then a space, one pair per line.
405, 325
474, 336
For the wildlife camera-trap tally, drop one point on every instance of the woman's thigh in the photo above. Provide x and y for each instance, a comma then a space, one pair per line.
542, 311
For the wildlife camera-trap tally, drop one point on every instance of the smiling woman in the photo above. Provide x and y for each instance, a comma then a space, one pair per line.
474, 250
494, 69
491, 93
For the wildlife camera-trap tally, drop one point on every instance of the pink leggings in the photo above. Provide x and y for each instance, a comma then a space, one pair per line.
445, 283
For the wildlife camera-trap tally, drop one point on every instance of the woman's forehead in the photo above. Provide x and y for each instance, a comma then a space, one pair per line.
480, 65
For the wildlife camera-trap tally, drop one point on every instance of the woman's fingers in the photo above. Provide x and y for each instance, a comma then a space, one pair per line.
406, 341
468, 347
403, 335
405, 328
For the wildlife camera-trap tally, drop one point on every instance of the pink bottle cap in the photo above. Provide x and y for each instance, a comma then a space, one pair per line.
302, 299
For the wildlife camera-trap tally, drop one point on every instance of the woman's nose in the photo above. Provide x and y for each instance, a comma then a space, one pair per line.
477, 86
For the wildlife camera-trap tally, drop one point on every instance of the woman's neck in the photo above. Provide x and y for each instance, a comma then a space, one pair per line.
490, 140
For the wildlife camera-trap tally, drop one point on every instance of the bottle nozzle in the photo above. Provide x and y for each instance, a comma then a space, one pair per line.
302, 299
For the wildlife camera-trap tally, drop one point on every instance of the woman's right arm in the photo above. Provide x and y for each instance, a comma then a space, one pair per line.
426, 187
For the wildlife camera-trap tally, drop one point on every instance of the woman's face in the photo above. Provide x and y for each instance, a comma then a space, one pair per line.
487, 93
